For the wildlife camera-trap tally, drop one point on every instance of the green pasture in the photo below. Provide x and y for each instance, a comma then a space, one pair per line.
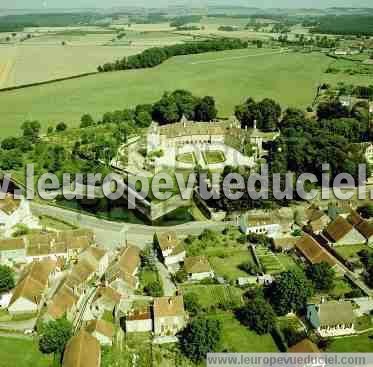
229, 76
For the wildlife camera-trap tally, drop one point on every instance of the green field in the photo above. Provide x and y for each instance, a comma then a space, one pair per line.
238, 338
21, 353
213, 295
228, 266
351, 251
229, 76
354, 344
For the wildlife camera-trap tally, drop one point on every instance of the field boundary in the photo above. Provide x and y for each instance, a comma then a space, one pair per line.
239, 57
51, 81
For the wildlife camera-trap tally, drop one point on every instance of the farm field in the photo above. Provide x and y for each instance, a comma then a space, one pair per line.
34, 63
21, 353
43, 57
289, 78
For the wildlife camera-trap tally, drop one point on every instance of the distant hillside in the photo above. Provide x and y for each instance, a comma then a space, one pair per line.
345, 25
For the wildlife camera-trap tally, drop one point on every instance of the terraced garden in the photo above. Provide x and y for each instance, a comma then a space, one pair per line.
269, 261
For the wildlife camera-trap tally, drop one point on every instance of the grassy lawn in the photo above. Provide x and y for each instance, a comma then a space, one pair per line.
288, 78
228, 265
21, 353
213, 157
351, 252
293, 321
363, 323
54, 223
139, 343
108, 316
212, 295
353, 344
287, 261
238, 338
187, 158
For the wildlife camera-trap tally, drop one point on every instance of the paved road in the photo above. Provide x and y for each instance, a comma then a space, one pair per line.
169, 288
19, 326
111, 234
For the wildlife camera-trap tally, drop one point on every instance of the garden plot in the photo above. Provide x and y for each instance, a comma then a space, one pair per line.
269, 261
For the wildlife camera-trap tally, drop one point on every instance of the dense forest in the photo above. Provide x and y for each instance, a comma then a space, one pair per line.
334, 137
345, 25
157, 55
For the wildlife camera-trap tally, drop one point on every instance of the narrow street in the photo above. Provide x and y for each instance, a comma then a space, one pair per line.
169, 287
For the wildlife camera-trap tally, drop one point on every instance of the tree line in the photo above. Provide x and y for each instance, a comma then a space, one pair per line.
157, 55
345, 25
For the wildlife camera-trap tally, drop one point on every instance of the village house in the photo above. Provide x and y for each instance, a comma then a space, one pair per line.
271, 224
98, 258
265, 280
366, 229
284, 244
317, 220
13, 212
79, 278
169, 315
106, 299
354, 218
170, 249
67, 245
334, 318
313, 252
28, 295
102, 330
139, 320
12, 251
82, 350
122, 275
63, 303
341, 232
198, 268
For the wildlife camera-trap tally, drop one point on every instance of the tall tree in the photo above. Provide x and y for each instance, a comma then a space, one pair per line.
322, 276
332, 110
271, 113
86, 121
290, 292
31, 130
54, 335
247, 113
258, 315
206, 109
6, 279
166, 110
200, 337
